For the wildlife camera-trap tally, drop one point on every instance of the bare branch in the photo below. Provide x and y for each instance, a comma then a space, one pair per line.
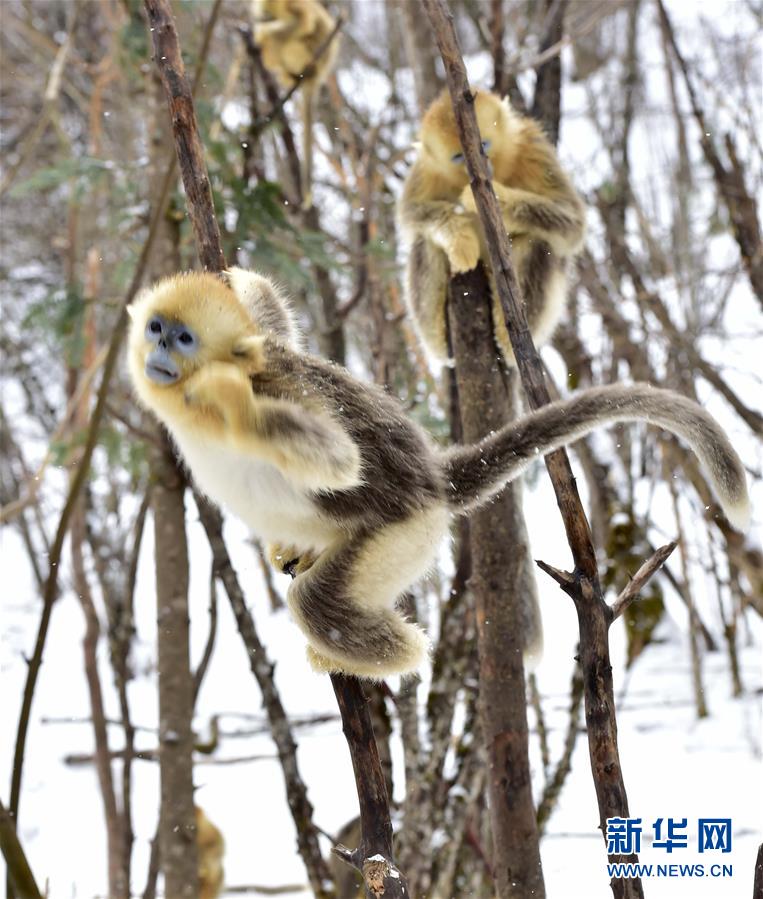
730, 183
373, 858
20, 874
641, 577
190, 153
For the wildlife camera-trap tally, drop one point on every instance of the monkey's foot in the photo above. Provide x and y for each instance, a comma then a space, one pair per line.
289, 559
410, 654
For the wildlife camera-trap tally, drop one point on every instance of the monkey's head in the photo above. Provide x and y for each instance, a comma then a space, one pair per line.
439, 135
187, 321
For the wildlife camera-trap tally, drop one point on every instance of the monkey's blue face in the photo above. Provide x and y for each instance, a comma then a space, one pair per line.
168, 338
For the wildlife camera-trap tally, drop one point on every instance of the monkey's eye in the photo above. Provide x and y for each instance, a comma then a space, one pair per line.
154, 328
185, 341
457, 157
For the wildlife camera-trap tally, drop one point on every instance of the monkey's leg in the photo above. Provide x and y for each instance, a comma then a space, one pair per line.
542, 280
345, 603
425, 296
296, 57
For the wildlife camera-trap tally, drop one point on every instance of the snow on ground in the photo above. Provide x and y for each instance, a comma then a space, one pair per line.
674, 766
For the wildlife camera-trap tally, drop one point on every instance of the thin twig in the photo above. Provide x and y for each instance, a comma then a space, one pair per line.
198, 677
640, 578
185, 128
19, 873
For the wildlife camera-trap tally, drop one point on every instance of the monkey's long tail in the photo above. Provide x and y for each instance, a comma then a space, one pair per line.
475, 473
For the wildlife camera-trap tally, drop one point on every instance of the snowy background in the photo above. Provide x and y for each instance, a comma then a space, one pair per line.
674, 765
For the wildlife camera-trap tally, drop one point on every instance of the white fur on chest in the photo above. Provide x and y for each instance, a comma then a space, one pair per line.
256, 492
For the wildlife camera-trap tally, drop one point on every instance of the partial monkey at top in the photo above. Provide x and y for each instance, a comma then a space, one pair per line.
292, 36
543, 215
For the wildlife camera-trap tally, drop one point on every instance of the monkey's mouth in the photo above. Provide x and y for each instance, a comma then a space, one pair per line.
161, 372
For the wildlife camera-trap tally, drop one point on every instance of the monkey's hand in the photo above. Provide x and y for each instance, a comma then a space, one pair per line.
461, 243
289, 559
310, 448
466, 200
219, 389
250, 352
507, 198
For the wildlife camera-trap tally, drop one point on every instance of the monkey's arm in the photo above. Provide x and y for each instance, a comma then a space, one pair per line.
265, 29
560, 220
452, 230
309, 447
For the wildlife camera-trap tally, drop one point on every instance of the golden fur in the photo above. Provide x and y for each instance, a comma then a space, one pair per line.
211, 849
352, 495
543, 215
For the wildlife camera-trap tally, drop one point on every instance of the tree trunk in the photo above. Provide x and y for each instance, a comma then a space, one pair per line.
501, 579
177, 827
177, 821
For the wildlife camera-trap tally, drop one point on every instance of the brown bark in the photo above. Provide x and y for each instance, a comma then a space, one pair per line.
373, 858
501, 577
20, 877
757, 886
185, 128
497, 50
177, 828
547, 100
118, 888
176, 846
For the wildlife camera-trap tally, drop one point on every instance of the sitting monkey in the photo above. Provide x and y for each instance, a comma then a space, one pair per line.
543, 214
353, 493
